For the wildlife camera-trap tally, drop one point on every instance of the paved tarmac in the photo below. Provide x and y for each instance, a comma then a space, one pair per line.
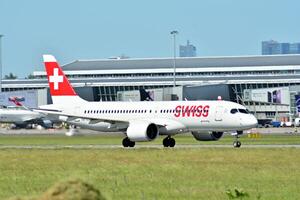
282, 131
138, 146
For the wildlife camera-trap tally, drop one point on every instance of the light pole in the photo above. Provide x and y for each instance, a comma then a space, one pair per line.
174, 33
1, 63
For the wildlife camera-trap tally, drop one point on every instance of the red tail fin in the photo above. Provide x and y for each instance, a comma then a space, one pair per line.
58, 82
60, 89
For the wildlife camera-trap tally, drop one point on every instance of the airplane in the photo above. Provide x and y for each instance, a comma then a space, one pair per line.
145, 120
22, 117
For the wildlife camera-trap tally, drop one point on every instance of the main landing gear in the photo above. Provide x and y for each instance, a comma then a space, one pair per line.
72, 130
127, 143
237, 143
169, 142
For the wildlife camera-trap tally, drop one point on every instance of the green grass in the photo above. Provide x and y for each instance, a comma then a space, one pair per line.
156, 173
151, 173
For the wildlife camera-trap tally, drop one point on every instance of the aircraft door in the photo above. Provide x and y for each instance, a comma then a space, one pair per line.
219, 113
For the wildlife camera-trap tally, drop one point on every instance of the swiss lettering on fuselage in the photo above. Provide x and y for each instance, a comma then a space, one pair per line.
192, 111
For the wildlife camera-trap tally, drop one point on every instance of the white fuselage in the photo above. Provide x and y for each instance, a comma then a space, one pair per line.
172, 116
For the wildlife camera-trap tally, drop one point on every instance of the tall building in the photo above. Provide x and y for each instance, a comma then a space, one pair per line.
187, 50
273, 47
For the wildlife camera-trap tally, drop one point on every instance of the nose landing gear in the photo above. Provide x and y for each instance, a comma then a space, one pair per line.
236, 142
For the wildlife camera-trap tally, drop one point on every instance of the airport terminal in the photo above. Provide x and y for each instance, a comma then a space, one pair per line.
149, 100
265, 84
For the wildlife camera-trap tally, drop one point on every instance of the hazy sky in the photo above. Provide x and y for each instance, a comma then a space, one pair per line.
93, 29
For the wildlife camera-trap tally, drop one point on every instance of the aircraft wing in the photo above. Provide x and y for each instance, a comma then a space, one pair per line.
160, 122
60, 113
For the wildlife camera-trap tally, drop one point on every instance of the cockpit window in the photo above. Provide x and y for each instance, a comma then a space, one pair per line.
245, 111
233, 111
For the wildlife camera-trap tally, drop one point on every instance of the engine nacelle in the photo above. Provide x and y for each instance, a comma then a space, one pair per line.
139, 131
207, 135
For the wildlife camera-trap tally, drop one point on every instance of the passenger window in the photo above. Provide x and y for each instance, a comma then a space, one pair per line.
233, 111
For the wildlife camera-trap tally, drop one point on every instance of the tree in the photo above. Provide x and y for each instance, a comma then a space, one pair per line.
10, 76
30, 76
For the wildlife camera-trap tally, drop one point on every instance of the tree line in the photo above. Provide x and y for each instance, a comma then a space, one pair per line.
12, 76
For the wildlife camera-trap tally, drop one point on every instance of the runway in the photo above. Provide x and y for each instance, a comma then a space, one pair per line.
152, 146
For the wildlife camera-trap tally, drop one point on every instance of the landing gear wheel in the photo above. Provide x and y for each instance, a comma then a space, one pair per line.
166, 142
237, 144
169, 142
131, 144
127, 143
172, 142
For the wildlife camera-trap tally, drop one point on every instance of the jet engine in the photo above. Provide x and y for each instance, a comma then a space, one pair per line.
139, 131
207, 135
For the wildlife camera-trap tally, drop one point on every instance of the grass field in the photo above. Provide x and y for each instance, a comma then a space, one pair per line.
151, 173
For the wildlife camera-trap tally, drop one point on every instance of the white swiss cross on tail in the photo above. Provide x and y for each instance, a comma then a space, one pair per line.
60, 89
56, 79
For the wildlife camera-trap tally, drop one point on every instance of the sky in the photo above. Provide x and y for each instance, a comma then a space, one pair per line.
97, 29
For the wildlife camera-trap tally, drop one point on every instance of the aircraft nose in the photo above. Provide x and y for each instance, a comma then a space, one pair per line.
252, 121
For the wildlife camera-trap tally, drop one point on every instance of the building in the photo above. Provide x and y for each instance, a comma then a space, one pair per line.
273, 47
187, 50
201, 77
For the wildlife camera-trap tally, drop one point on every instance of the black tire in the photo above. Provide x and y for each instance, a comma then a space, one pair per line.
166, 142
131, 144
237, 144
126, 142
172, 142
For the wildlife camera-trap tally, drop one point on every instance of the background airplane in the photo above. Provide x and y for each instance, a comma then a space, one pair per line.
145, 121
22, 117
